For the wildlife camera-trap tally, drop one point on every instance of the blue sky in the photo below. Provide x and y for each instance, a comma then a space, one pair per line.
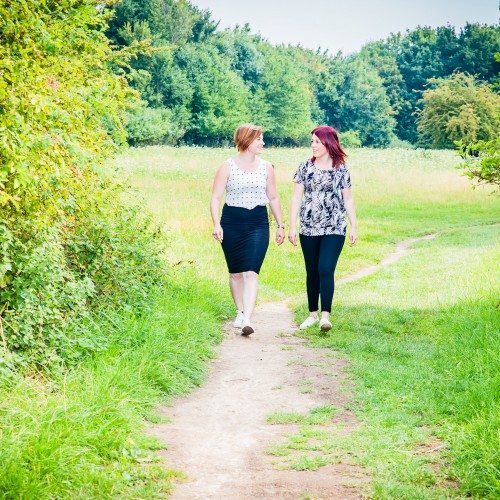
345, 25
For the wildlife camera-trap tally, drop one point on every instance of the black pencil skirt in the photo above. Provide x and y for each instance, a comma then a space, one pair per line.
245, 237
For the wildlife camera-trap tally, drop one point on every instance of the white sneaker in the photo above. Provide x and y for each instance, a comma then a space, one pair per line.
238, 321
310, 321
325, 325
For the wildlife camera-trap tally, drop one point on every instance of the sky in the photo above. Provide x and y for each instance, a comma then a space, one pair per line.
344, 25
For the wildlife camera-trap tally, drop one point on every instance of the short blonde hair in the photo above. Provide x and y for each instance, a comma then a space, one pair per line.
245, 134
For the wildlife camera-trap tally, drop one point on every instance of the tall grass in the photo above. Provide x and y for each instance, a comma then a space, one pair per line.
80, 435
399, 194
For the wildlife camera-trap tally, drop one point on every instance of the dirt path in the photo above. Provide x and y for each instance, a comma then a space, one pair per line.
218, 434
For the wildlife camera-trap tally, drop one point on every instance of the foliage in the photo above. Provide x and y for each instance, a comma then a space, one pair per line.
219, 102
242, 49
458, 108
482, 161
153, 126
352, 97
406, 63
381, 56
69, 244
375, 92
168, 21
80, 435
350, 139
282, 102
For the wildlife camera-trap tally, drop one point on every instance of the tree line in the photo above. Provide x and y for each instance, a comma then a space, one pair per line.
197, 83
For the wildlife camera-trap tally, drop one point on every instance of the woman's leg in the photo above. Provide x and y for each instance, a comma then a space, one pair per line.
250, 285
310, 249
330, 248
236, 286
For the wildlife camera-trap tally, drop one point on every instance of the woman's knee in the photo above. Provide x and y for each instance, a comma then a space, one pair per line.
250, 275
236, 276
325, 272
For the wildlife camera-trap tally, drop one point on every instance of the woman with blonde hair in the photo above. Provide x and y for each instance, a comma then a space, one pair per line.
243, 228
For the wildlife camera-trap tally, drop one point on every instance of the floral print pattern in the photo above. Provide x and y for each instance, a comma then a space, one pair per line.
322, 210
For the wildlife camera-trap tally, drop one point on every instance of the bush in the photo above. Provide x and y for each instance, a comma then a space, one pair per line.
152, 126
70, 245
350, 139
458, 109
482, 161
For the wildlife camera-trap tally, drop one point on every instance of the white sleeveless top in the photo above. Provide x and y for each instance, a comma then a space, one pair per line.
246, 189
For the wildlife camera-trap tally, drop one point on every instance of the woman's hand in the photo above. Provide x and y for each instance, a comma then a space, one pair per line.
280, 235
292, 236
217, 233
353, 236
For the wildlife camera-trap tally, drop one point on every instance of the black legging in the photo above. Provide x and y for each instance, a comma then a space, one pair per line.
321, 254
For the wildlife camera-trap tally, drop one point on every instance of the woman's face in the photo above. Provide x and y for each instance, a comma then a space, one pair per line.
318, 147
257, 145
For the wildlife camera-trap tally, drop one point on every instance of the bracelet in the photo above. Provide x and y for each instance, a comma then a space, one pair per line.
280, 226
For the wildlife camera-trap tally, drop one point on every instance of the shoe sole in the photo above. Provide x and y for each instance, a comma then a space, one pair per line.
325, 328
246, 330
306, 327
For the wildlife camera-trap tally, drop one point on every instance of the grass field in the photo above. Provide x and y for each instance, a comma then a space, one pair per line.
399, 194
422, 336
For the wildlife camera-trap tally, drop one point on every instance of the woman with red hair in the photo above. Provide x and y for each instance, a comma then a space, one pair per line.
323, 184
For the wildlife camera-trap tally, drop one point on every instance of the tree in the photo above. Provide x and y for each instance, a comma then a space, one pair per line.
241, 48
477, 47
170, 22
282, 103
381, 56
220, 98
458, 108
352, 96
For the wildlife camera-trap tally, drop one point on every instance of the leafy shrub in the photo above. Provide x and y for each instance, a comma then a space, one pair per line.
458, 109
71, 245
150, 126
350, 139
482, 161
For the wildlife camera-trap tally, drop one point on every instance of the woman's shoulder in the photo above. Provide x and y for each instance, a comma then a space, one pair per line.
342, 168
305, 163
225, 166
267, 165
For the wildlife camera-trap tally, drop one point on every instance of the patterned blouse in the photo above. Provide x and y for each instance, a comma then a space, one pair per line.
322, 211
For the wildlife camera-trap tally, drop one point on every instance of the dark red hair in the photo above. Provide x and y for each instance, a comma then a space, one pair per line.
330, 139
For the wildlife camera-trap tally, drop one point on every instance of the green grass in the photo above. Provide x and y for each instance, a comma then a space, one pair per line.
80, 435
319, 415
421, 337
398, 193
313, 445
